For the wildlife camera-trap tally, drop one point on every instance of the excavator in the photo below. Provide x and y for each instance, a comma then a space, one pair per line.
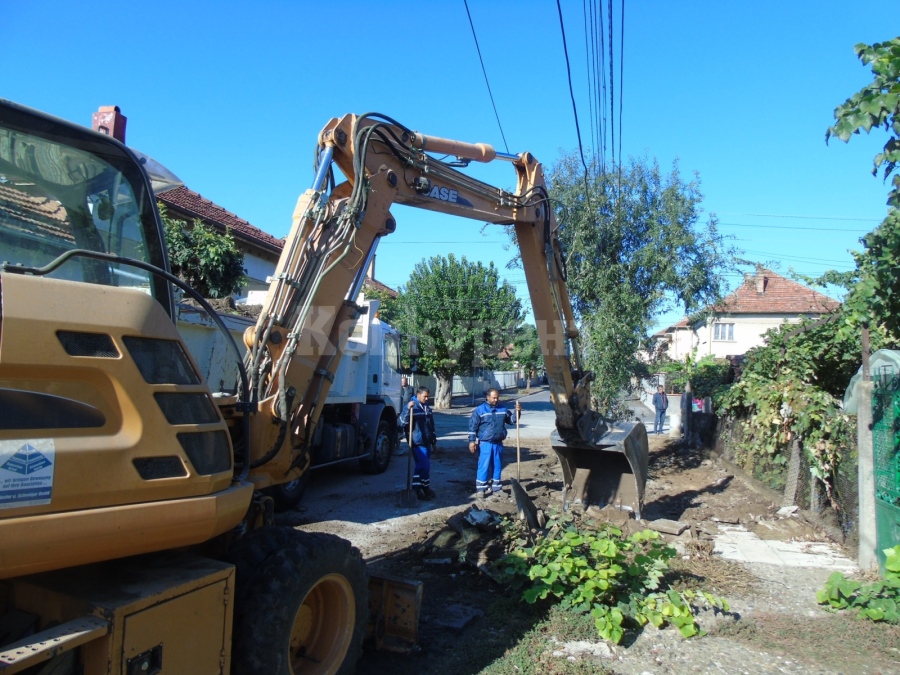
136, 536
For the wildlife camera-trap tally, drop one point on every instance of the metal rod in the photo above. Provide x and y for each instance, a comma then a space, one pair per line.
507, 157
361, 273
324, 165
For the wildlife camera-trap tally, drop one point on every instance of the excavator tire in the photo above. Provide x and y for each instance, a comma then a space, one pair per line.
385, 440
301, 604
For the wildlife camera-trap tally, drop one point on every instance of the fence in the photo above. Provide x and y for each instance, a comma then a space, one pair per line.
886, 454
788, 472
466, 385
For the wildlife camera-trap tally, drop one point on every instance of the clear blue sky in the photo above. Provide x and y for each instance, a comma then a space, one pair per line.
231, 96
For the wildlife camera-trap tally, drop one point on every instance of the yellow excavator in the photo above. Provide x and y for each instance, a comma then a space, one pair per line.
136, 536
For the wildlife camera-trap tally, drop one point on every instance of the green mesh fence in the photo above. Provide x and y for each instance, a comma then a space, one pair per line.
886, 438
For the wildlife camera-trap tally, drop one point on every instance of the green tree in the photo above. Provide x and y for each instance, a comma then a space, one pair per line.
387, 311
877, 105
635, 245
209, 261
462, 313
527, 351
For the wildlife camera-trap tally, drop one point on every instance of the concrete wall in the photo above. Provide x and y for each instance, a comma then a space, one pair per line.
464, 385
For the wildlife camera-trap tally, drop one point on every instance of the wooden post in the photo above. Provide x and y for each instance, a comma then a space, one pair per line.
792, 483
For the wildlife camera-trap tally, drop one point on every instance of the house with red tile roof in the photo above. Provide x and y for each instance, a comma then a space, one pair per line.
764, 300
261, 250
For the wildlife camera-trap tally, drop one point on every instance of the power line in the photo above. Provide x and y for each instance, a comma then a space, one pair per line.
798, 258
793, 228
621, 80
782, 215
587, 57
612, 90
490, 93
602, 101
562, 28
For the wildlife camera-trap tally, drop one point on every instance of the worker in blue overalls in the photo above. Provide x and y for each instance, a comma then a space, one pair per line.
487, 429
422, 442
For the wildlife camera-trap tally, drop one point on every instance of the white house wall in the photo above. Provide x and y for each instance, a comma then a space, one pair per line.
257, 270
748, 333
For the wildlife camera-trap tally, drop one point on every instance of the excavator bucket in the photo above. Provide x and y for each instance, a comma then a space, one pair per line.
394, 606
610, 470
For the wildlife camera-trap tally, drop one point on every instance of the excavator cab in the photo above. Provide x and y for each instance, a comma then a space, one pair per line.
109, 435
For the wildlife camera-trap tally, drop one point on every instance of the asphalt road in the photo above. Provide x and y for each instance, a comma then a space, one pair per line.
538, 419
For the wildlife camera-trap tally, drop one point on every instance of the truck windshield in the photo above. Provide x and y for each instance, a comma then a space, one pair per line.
62, 188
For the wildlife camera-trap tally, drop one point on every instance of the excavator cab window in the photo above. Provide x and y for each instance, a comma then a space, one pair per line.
62, 188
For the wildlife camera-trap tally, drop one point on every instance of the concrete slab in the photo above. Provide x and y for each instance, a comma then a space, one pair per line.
738, 544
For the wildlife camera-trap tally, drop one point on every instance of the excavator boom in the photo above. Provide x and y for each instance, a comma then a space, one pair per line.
310, 311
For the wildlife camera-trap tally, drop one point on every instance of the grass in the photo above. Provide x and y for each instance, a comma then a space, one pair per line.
836, 642
532, 653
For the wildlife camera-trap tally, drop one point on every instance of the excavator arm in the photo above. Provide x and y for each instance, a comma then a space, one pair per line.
294, 349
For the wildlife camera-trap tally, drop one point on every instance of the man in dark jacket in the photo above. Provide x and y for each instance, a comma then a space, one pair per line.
660, 404
422, 441
487, 429
406, 395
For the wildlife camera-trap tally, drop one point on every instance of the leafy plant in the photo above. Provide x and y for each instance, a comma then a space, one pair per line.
615, 578
877, 601
876, 105
206, 259
707, 376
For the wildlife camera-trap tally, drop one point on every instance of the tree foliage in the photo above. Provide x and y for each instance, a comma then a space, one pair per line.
877, 105
526, 350
706, 375
388, 309
462, 313
635, 246
207, 260
792, 387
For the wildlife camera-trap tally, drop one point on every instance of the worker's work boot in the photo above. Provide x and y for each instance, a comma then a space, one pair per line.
429, 493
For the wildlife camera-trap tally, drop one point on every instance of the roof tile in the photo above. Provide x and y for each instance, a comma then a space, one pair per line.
198, 206
770, 293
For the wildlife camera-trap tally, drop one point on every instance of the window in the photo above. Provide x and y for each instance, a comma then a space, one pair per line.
723, 331
391, 352
61, 190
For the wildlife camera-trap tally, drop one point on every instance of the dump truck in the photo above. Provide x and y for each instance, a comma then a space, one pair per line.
359, 419
136, 535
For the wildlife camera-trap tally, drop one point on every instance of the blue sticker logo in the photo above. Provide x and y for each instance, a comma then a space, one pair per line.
26, 460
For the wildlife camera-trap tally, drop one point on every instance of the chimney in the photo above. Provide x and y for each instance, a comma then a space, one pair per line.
370, 273
761, 283
109, 120
748, 277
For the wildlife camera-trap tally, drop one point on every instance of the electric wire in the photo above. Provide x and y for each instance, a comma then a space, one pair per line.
483, 70
612, 90
588, 53
601, 31
621, 81
574, 107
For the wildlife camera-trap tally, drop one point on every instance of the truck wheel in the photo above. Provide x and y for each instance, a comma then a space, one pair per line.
287, 495
301, 604
384, 447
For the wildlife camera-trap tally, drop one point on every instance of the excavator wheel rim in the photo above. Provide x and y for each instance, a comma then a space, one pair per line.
323, 627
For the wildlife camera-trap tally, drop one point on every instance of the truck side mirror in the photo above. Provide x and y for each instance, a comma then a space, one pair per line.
413, 346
